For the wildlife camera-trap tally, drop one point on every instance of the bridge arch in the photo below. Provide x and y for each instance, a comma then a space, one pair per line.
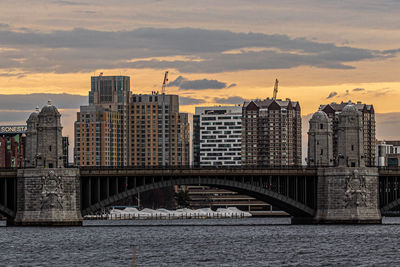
293, 207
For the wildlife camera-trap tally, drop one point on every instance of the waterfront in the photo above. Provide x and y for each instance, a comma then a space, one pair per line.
219, 242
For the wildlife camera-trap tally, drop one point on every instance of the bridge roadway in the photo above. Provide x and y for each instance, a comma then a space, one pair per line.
291, 189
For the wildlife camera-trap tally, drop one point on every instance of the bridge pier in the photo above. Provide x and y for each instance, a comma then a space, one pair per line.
48, 197
348, 195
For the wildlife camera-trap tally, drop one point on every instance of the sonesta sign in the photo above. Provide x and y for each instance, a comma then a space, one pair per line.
13, 129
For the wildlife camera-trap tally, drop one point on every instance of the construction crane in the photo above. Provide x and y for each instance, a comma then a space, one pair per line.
275, 89
164, 83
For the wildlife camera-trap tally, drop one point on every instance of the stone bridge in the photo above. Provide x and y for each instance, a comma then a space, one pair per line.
294, 190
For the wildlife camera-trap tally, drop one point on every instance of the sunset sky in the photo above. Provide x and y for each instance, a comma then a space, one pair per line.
217, 52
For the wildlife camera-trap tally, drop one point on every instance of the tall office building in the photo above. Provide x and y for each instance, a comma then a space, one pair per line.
98, 137
367, 117
121, 129
271, 133
159, 132
113, 93
217, 134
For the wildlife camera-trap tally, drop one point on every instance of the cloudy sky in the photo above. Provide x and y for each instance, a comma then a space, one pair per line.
217, 52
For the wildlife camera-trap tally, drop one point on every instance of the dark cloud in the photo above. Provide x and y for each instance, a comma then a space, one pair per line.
184, 84
391, 51
232, 85
230, 100
18, 75
67, 3
332, 94
80, 50
177, 82
183, 100
30, 101
358, 89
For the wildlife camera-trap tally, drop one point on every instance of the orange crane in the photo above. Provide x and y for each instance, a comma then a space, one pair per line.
164, 83
275, 89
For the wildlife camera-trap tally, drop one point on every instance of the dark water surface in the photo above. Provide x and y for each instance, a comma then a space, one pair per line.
221, 242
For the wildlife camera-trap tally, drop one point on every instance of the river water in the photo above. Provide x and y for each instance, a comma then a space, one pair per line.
207, 242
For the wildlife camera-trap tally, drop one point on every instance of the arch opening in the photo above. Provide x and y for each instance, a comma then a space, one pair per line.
291, 206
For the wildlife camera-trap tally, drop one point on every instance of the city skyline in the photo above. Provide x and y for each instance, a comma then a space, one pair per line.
219, 57
324, 53
184, 133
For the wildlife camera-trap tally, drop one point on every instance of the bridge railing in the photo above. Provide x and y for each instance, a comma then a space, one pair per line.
188, 167
197, 168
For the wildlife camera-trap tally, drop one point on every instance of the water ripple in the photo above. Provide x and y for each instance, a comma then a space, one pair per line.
251, 242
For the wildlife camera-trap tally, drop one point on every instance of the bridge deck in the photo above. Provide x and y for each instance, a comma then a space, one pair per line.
196, 171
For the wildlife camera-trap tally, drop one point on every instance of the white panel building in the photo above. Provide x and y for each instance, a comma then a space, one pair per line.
218, 131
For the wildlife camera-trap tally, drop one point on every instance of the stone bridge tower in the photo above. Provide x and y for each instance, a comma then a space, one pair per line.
49, 136
48, 193
320, 142
350, 138
349, 191
31, 140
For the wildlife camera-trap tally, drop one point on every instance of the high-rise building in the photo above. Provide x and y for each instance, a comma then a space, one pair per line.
368, 126
12, 146
98, 137
113, 93
271, 133
159, 132
121, 129
217, 134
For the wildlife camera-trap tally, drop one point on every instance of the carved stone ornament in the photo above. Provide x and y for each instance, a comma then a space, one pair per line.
52, 192
356, 191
